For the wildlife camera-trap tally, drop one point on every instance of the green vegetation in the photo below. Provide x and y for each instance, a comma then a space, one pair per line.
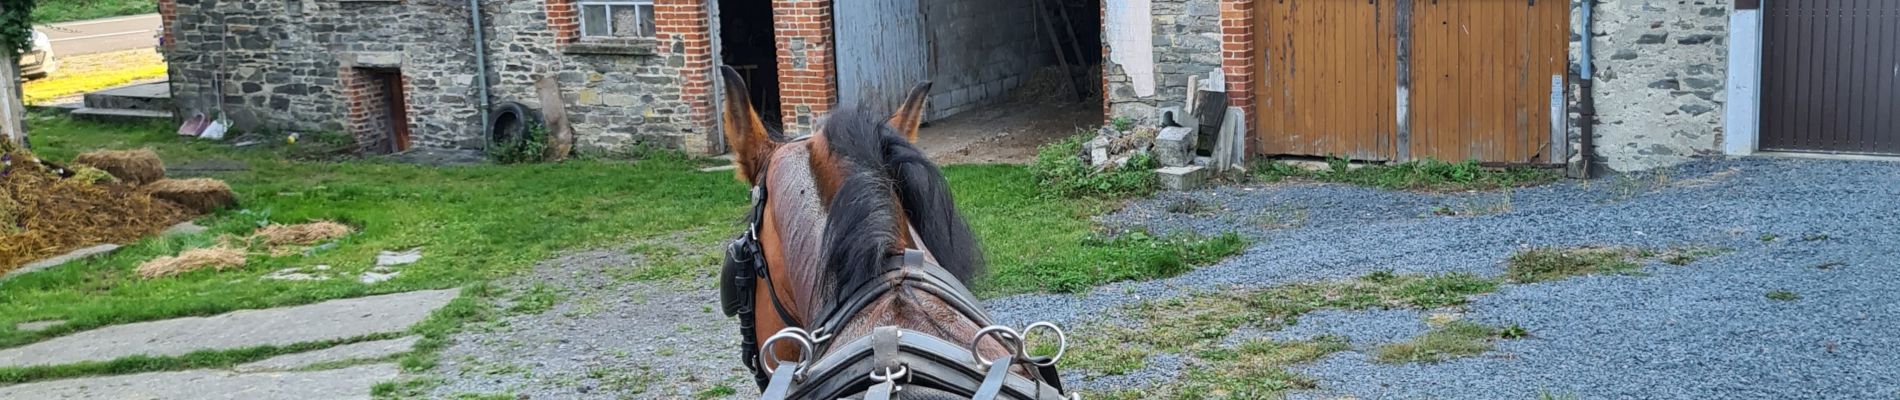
1783, 295
477, 223
1424, 175
1451, 340
1197, 322
208, 359
1682, 256
1549, 264
52, 11
719, 391
1060, 172
531, 147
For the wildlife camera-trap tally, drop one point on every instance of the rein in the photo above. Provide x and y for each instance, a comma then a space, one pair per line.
890, 359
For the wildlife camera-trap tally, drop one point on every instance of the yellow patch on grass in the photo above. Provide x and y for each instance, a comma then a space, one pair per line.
219, 258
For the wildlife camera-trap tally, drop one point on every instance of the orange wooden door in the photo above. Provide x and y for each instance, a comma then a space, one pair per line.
1482, 78
1327, 83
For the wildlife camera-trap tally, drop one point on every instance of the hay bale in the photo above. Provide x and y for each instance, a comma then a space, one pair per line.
201, 195
301, 234
219, 258
137, 167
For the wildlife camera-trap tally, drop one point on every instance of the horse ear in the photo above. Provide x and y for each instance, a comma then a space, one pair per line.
911, 115
751, 144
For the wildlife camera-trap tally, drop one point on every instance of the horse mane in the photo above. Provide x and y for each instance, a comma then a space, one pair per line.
862, 232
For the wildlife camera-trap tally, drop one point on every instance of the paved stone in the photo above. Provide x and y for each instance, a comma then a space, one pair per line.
330, 320
62, 259
37, 326
336, 384
394, 258
358, 351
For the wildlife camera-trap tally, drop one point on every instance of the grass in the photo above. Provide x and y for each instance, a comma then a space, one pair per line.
208, 359
1549, 264
478, 223
52, 11
1425, 175
86, 73
1451, 340
1196, 324
1782, 295
1060, 172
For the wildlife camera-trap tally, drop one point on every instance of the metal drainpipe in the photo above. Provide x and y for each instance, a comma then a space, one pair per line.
1586, 103
481, 69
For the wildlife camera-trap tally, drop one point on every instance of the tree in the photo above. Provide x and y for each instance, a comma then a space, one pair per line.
16, 33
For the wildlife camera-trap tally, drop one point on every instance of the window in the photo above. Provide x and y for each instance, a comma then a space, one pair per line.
616, 18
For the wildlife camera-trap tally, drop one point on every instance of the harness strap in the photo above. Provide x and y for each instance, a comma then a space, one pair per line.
931, 362
881, 391
781, 384
917, 273
993, 382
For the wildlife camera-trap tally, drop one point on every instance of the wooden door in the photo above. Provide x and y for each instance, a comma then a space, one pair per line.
881, 51
1482, 75
1327, 84
398, 110
1831, 76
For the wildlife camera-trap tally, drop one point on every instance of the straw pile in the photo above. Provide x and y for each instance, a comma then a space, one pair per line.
301, 234
200, 195
137, 167
219, 258
44, 215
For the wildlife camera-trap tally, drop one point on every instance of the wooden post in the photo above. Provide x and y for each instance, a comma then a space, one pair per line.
12, 113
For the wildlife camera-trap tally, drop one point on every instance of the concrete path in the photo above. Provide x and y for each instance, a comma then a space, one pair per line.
336, 384
355, 351
103, 35
331, 320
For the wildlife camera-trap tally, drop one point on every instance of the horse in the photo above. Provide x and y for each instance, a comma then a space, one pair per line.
850, 278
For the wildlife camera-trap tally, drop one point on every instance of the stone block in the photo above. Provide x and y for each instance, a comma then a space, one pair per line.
1174, 147
1182, 178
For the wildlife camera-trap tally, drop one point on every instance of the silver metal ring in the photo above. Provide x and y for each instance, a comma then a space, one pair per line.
1012, 341
799, 336
1062, 342
902, 372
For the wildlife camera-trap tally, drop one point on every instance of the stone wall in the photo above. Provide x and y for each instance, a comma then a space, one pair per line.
1186, 42
982, 50
282, 65
1660, 75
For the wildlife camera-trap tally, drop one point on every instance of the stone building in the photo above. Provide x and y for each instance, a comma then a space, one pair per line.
1387, 80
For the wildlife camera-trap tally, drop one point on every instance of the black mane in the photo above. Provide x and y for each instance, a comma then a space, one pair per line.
860, 233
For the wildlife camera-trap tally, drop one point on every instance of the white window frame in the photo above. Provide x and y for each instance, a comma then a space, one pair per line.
581, 12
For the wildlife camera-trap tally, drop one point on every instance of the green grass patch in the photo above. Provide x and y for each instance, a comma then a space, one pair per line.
1061, 172
1782, 295
1549, 264
478, 223
52, 11
1427, 175
1452, 340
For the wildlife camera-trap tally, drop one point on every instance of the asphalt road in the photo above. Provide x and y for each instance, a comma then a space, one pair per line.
103, 35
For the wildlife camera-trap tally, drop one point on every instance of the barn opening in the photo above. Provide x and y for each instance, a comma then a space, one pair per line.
1007, 75
748, 44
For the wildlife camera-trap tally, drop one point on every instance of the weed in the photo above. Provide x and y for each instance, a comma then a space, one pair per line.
1769, 237
1060, 171
1783, 295
1452, 340
1681, 256
1283, 216
1425, 175
1546, 395
715, 392
531, 147
1546, 264
1514, 331
537, 299
1122, 124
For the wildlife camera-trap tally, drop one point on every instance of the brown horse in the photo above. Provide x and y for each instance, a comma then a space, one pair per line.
855, 238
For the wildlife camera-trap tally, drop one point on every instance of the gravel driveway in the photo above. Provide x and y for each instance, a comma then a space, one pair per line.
1705, 330
1828, 231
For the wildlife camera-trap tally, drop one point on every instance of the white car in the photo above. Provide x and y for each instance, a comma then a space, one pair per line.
38, 60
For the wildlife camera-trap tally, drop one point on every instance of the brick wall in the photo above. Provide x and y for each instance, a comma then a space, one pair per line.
687, 24
807, 69
167, 16
366, 94
1237, 24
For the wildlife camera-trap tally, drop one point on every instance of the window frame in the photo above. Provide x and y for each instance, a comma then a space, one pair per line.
580, 13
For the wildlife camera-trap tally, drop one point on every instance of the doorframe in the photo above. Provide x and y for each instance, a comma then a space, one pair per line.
1741, 126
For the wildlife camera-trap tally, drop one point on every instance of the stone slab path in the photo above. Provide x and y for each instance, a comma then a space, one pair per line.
355, 351
336, 384
330, 320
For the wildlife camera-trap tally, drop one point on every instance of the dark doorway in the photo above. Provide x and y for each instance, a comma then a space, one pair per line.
750, 46
392, 87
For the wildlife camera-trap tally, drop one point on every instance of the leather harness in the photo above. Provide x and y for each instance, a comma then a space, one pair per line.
888, 361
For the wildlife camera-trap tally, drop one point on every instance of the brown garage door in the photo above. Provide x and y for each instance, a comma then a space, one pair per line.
1831, 76
1476, 76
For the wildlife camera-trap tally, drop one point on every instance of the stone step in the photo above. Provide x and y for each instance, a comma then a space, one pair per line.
121, 115
149, 96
